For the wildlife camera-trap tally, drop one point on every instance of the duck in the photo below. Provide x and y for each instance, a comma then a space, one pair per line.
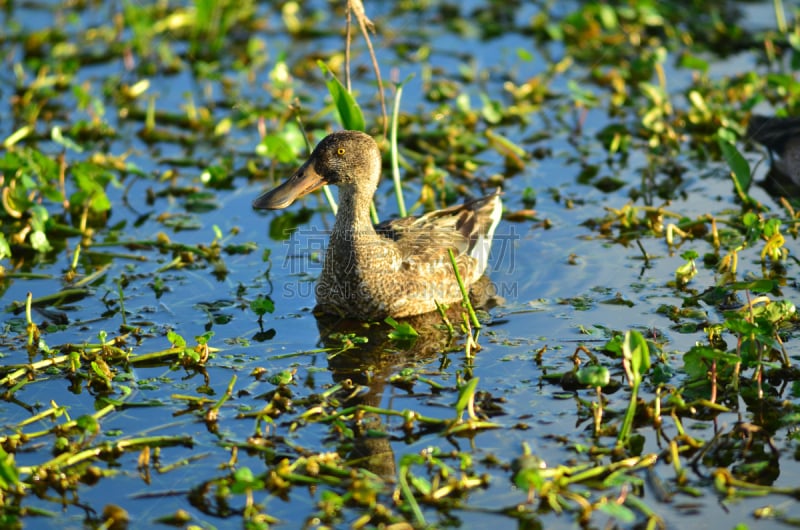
781, 136
397, 268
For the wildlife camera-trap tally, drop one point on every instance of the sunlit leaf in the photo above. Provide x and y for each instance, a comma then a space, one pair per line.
593, 375
756, 286
693, 62
9, 476
276, 147
350, 114
284, 377
262, 305
465, 395
492, 111
5, 249
204, 338
176, 340
59, 138
244, 480
88, 424
635, 348
618, 511
17, 135
401, 330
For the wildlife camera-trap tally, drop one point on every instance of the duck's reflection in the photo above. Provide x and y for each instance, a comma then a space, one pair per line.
371, 364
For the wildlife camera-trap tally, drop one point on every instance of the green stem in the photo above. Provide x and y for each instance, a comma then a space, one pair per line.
627, 422
75, 256
122, 304
398, 188
159, 355
28, 317
464, 292
780, 18
373, 213
331, 201
70, 459
409, 497
54, 299
226, 396
442, 313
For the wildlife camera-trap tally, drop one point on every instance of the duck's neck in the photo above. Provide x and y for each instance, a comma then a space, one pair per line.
353, 220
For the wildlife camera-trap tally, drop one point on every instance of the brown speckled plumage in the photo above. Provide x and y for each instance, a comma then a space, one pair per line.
397, 268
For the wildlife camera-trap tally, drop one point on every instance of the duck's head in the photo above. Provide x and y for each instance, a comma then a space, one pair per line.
343, 158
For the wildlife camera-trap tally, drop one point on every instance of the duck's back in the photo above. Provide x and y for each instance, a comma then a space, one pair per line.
404, 268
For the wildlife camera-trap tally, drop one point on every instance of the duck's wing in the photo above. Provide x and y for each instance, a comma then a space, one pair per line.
773, 133
467, 229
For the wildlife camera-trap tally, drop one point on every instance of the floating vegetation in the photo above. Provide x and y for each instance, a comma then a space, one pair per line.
630, 361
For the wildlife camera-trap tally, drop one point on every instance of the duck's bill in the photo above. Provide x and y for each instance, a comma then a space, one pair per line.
304, 181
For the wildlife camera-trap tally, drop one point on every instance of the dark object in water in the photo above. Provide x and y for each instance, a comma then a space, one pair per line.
782, 137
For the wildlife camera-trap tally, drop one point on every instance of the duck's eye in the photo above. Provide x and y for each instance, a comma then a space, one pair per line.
341, 151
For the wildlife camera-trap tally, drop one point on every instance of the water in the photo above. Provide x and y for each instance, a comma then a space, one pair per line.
560, 285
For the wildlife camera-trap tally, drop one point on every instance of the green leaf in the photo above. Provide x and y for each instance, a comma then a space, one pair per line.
696, 361
350, 114
635, 349
402, 330
492, 111
530, 476
593, 375
244, 480
243, 474
685, 273
9, 475
59, 138
262, 305
756, 286
39, 217
750, 220
524, 54
740, 325
618, 511
614, 345
216, 176
465, 395
91, 181
504, 146
88, 423
422, 484
608, 16
276, 147
740, 169
693, 62
282, 378
176, 340
204, 338
39, 241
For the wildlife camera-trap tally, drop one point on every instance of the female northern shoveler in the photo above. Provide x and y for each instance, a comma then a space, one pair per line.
397, 268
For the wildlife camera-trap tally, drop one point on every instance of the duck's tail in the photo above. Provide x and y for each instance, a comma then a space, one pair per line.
488, 212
